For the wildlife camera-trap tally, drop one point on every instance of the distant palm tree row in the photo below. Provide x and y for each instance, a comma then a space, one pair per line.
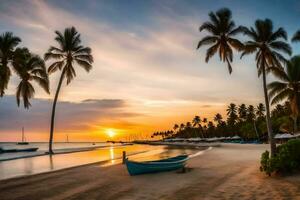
31, 68
246, 121
269, 47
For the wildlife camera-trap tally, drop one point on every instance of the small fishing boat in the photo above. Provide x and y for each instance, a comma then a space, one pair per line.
135, 168
18, 150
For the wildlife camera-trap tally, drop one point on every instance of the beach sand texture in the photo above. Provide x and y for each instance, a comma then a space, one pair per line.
227, 172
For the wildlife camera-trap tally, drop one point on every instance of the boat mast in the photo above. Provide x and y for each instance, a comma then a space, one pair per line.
23, 137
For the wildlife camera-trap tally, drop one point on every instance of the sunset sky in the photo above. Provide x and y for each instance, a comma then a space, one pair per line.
147, 74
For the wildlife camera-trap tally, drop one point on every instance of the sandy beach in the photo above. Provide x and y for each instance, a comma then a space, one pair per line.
227, 172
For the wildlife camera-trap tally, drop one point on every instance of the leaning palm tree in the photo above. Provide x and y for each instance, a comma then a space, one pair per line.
267, 45
288, 87
222, 39
30, 68
68, 53
8, 43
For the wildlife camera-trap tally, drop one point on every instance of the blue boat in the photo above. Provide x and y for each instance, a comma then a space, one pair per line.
135, 168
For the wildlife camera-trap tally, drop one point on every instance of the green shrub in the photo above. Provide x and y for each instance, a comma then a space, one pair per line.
286, 159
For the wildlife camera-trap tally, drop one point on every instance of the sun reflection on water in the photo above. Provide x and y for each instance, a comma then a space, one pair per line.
112, 155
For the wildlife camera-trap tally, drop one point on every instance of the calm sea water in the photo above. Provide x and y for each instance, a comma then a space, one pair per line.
109, 154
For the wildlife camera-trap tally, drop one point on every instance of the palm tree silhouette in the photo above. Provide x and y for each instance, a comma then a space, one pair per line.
69, 52
218, 118
222, 31
196, 121
260, 110
296, 37
231, 113
8, 42
287, 87
30, 68
175, 127
267, 46
242, 111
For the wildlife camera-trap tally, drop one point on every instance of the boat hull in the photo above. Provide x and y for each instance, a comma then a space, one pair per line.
18, 150
136, 168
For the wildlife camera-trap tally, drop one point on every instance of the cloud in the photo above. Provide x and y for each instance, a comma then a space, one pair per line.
69, 115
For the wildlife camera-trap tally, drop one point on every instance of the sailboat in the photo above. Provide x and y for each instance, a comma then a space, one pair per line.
23, 139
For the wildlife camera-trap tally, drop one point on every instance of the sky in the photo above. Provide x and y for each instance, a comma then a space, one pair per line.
147, 74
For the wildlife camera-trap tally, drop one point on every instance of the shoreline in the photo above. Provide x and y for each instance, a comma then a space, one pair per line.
61, 151
230, 171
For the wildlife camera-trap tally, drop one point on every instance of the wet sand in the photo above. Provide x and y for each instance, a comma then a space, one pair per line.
227, 172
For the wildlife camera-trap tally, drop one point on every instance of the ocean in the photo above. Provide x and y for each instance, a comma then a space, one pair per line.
106, 153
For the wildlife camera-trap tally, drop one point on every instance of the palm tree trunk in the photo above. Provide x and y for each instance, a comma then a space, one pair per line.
53, 111
256, 132
295, 124
268, 118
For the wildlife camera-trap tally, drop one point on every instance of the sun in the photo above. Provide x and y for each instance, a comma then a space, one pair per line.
111, 133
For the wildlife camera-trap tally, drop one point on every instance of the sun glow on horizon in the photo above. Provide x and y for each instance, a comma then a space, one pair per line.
111, 133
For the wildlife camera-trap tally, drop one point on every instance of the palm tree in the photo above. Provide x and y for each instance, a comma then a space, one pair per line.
29, 68
196, 121
260, 110
288, 87
8, 43
188, 125
175, 127
296, 37
242, 110
218, 118
68, 52
222, 39
231, 113
267, 46
182, 126
251, 117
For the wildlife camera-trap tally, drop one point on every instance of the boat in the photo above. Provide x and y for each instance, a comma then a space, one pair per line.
136, 168
23, 139
18, 150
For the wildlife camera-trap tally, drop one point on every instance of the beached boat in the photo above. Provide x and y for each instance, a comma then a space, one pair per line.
135, 168
18, 150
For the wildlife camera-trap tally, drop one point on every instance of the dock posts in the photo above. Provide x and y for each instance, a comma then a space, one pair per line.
124, 157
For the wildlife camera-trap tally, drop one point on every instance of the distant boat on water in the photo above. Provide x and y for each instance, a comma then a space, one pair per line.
18, 150
23, 139
136, 168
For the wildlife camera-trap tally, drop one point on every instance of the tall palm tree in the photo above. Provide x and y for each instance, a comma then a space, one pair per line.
68, 53
267, 45
231, 113
218, 118
181, 127
260, 110
175, 127
251, 113
196, 121
30, 68
242, 111
204, 120
288, 87
8, 43
222, 30
251, 117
